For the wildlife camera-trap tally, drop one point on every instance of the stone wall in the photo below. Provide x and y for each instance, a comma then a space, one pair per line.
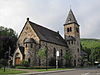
51, 47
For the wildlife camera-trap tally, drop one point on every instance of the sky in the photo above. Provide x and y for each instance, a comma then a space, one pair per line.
52, 14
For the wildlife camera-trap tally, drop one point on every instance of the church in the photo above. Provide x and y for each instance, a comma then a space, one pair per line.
33, 37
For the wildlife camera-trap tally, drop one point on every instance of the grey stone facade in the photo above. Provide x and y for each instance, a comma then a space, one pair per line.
33, 37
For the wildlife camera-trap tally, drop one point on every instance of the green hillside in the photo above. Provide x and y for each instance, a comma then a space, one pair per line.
91, 43
92, 48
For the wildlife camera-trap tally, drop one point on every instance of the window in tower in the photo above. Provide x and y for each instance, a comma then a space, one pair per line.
72, 41
78, 50
77, 29
67, 29
69, 20
70, 29
69, 42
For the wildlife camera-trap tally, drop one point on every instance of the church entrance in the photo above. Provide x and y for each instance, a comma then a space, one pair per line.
17, 60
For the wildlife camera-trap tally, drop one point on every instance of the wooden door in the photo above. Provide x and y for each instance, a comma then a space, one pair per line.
17, 61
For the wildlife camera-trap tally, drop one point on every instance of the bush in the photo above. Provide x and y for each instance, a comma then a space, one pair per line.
1, 65
25, 63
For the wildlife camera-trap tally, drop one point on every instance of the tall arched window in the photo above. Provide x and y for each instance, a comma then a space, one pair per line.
67, 29
61, 53
70, 29
31, 45
54, 52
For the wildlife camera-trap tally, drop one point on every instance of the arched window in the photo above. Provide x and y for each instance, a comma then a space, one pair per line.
31, 45
72, 41
67, 29
77, 29
69, 42
78, 50
29, 60
54, 52
61, 53
70, 29
26, 45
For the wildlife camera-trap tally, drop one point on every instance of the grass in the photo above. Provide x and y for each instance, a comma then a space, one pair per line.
10, 71
42, 70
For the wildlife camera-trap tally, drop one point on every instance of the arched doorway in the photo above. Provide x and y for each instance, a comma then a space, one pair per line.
17, 59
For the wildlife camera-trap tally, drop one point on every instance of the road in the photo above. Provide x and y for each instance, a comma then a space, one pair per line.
77, 72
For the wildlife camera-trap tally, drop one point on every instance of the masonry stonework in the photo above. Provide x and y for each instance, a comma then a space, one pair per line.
34, 36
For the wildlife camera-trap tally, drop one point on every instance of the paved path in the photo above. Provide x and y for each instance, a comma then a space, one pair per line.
86, 71
77, 72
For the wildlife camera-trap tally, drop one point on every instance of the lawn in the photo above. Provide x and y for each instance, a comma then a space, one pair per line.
42, 70
10, 71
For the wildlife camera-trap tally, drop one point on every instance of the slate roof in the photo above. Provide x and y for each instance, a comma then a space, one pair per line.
48, 35
71, 18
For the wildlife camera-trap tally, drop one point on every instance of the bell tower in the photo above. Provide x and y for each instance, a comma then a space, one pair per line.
72, 36
71, 27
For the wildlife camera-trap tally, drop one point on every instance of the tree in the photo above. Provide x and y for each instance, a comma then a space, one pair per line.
3, 62
8, 38
92, 48
41, 54
68, 58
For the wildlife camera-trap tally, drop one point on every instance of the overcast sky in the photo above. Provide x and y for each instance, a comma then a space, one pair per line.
52, 14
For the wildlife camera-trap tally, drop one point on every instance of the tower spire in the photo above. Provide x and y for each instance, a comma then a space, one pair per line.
71, 18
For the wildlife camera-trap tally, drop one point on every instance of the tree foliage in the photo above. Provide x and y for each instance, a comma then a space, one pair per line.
68, 58
25, 63
42, 53
8, 38
92, 48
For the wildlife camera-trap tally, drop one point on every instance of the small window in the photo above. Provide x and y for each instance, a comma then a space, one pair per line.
77, 29
78, 50
70, 29
54, 52
71, 42
61, 53
67, 29
26, 45
31, 45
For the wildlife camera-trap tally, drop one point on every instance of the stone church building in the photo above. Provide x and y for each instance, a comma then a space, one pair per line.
34, 36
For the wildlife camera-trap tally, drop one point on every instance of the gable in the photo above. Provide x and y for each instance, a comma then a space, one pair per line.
27, 32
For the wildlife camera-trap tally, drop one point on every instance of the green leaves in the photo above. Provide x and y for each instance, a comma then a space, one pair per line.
41, 53
8, 38
92, 48
68, 55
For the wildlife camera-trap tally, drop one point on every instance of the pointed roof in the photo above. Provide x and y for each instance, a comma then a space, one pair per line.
71, 18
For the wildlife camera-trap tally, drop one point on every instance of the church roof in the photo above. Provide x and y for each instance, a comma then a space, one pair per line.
48, 35
71, 18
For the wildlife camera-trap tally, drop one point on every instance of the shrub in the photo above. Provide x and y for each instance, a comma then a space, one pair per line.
25, 63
